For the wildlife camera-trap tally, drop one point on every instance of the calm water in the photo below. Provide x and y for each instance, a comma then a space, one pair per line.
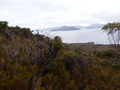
80, 36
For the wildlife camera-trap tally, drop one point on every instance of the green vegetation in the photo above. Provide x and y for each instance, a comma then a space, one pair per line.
37, 62
113, 31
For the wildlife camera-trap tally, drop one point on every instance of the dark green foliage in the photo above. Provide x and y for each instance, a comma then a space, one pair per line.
106, 54
40, 37
3, 26
16, 29
69, 58
51, 67
26, 32
113, 32
57, 43
36, 62
78, 49
110, 53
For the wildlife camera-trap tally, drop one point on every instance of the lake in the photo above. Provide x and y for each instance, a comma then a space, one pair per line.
80, 36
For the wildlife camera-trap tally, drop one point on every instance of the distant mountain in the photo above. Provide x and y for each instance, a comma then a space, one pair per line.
96, 25
79, 26
65, 28
48, 29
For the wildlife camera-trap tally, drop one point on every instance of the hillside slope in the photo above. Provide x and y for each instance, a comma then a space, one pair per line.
36, 62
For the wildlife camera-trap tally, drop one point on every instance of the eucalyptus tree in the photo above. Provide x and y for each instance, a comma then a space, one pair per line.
57, 43
113, 33
3, 25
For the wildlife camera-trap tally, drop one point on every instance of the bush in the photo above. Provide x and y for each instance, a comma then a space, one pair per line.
57, 43
3, 26
110, 53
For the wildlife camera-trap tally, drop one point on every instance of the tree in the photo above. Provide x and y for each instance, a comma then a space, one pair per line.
113, 32
57, 43
25, 32
3, 25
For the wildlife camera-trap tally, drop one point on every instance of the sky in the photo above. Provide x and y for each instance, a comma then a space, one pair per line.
38, 14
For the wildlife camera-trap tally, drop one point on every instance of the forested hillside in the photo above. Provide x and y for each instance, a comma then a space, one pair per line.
36, 62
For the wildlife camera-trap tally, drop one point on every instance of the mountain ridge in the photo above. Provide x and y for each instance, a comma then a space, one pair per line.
65, 28
95, 25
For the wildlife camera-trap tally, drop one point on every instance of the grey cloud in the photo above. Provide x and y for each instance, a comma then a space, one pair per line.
30, 5
107, 16
44, 13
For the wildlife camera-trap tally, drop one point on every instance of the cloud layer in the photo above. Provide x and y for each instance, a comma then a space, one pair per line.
46, 13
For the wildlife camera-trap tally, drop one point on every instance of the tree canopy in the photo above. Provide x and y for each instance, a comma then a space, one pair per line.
113, 32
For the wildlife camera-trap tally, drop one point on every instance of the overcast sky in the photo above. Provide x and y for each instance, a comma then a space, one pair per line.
46, 13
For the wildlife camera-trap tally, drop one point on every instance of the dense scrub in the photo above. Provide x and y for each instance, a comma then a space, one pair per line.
37, 62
